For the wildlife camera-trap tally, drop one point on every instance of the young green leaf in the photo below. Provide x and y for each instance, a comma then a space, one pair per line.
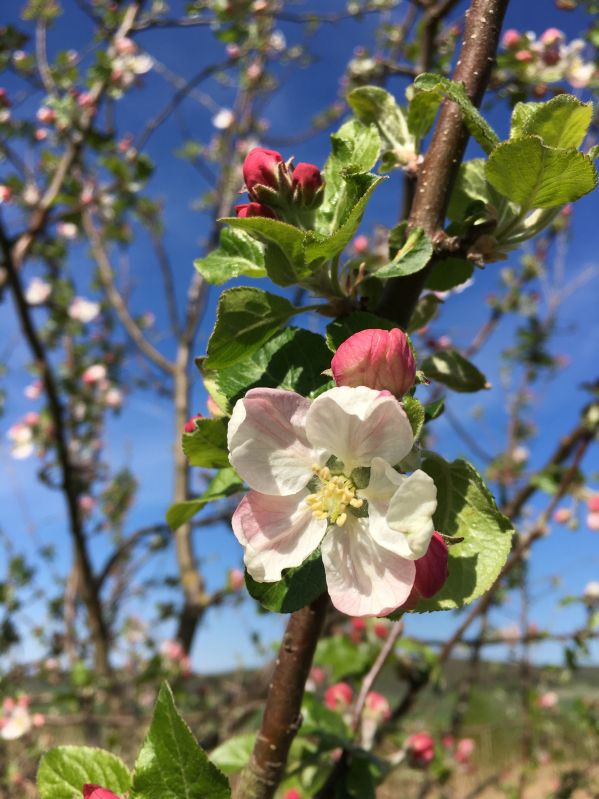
295, 590
225, 483
234, 754
238, 254
64, 771
342, 657
245, 319
454, 371
466, 508
171, 764
448, 273
413, 256
284, 247
207, 445
536, 176
415, 413
561, 122
477, 125
426, 310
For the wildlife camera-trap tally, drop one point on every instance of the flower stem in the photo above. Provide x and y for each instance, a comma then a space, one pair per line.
282, 719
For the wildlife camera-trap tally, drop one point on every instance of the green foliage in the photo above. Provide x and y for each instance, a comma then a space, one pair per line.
560, 122
245, 319
374, 105
454, 371
225, 483
320, 720
442, 87
466, 508
234, 754
284, 260
171, 764
238, 254
295, 590
294, 359
342, 657
415, 413
448, 273
534, 175
64, 771
426, 309
207, 445
412, 256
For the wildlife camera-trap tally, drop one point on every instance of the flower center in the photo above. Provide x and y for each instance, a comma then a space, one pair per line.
336, 493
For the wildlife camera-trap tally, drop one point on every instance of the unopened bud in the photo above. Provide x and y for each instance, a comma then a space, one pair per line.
420, 749
97, 792
190, 424
262, 168
308, 186
245, 210
379, 359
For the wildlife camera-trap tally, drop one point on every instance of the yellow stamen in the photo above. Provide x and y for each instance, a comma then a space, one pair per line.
335, 494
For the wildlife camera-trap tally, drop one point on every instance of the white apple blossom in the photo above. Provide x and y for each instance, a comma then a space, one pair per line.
16, 723
21, 436
113, 397
223, 119
68, 230
321, 474
95, 373
82, 310
38, 291
591, 592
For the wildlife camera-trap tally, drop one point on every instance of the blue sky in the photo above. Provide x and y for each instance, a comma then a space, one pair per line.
142, 436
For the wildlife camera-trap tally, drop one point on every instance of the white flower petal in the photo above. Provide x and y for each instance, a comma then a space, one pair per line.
277, 533
411, 514
267, 441
363, 579
359, 424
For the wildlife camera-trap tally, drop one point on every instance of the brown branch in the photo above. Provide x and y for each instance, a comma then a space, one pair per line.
444, 155
282, 719
372, 676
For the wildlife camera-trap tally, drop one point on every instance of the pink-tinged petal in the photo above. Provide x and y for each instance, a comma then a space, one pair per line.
411, 514
276, 532
431, 569
380, 359
267, 441
359, 424
364, 579
97, 792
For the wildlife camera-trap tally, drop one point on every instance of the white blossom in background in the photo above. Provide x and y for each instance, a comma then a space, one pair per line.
113, 397
95, 373
223, 119
38, 291
303, 462
591, 592
67, 230
82, 310
33, 390
21, 437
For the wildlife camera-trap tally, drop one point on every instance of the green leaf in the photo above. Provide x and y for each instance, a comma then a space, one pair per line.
477, 125
433, 410
466, 508
342, 657
449, 273
298, 588
358, 190
472, 193
422, 112
344, 327
371, 104
225, 483
245, 319
234, 754
593, 153
454, 371
171, 764
284, 252
238, 254
413, 256
207, 445
415, 413
426, 310
561, 122
64, 771
294, 359
318, 719
354, 148
536, 176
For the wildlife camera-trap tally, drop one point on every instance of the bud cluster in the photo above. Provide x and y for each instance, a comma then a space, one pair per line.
277, 189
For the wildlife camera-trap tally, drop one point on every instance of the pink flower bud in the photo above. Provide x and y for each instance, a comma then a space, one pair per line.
5, 194
562, 515
552, 36
261, 168
97, 792
307, 185
360, 244
357, 629
46, 115
233, 50
464, 750
41, 134
38, 719
245, 210
548, 700
338, 696
593, 521
292, 793
431, 569
511, 38
379, 359
524, 56
317, 675
236, 579
381, 630
190, 424
420, 749
593, 504
377, 706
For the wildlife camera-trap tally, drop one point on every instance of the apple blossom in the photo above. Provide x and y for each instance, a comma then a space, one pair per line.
94, 374
593, 504
236, 579
338, 696
87, 503
21, 436
379, 359
552, 36
381, 628
562, 515
548, 700
223, 119
321, 474
82, 310
68, 230
360, 244
15, 721
420, 750
511, 38
464, 750
292, 793
377, 706
113, 397
593, 521
190, 424
34, 390
38, 291
97, 792
5, 194
358, 626
591, 592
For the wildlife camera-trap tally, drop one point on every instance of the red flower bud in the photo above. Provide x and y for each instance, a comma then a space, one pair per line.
338, 696
96, 792
190, 425
261, 168
308, 185
379, 359
431, 569
420, 749
254, 209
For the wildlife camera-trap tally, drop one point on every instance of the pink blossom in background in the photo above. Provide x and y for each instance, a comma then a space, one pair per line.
380, 628
94, 374
593, 504
378, 706
464, 750
67, 230
591, 592
562, 515
5, 194
236, 579
360, 244
548, 700
97, 792
338, 696
552, 36
420, 750
511, 38
292, 793
87, 503
358, 627
593, 521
